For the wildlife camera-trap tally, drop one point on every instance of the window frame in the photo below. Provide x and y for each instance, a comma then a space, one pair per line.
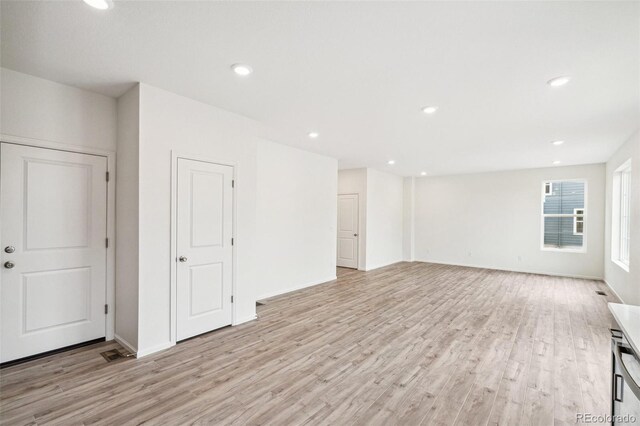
581, 250
576, 221
618, 212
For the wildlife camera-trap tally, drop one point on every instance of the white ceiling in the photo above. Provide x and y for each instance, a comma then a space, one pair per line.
359, 73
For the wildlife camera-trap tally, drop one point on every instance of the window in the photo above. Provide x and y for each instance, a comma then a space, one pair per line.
578, 221
621, 214
564, 215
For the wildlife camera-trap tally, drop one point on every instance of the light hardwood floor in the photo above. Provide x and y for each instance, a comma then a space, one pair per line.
412, 343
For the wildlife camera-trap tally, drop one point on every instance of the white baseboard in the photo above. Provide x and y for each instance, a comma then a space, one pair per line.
295, 288
154, 349
371, 268
613, 291
246, 319
524, 271
128, 346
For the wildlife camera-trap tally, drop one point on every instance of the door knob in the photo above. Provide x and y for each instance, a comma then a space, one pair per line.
355, 235
182, 259
9, 249
9, 265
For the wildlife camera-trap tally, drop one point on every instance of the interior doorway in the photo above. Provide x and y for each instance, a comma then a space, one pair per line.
348, 231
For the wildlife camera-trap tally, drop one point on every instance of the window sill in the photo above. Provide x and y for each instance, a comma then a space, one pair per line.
624, 266
564, 250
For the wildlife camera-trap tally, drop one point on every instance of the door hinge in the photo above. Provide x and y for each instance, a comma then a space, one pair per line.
106, 309
106, 243
233, 183
231, 240
232, 299
107, 176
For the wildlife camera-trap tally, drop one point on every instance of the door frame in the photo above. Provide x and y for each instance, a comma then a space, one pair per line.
110, 296
175, 156
357, 268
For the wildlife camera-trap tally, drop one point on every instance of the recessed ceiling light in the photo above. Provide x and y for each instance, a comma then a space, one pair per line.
240, 69
313, 135
100, 4
556, 143
559, 81
423, 173
391, 162
429, 109
555, 163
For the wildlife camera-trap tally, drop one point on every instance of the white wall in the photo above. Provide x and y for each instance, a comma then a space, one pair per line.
381, 215
296, 192
625, 284
35, 108
354, 181
385, 211
408, 219
127, 219
172, 122
493, 220
295, 219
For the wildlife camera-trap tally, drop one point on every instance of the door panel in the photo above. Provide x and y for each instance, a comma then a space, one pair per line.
204, 227
63, 190
69, 288
346, 209
53, 209
347, 249
206, 289
207, 221
348, 231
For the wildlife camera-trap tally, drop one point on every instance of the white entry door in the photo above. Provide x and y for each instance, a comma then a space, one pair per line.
348, 231
53, 206
204, 247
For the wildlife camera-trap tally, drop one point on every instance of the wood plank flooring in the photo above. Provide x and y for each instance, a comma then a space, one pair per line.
410, 344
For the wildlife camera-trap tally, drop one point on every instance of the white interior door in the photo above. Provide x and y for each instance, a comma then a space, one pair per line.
348, 231
204, 247
53, 206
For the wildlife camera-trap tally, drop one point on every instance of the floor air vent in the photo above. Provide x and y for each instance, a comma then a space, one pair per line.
114, 354
601, 293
